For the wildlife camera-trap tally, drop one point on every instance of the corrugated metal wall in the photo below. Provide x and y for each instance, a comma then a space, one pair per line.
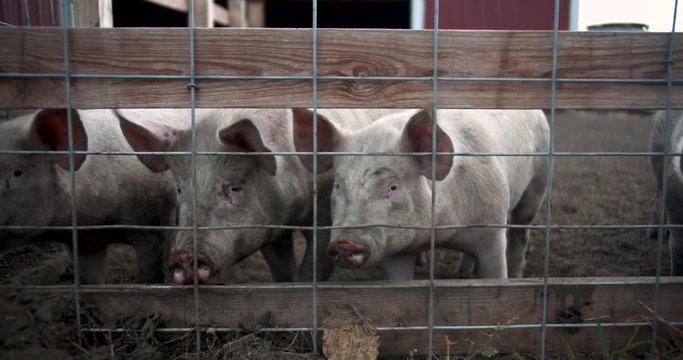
497, 14
40, 12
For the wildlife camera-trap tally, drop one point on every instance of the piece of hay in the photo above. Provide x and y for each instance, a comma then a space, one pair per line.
348, 335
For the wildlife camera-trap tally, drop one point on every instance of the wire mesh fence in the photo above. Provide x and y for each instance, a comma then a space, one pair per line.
201, 295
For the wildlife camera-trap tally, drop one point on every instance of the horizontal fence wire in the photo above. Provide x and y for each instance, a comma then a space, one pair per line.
341, 227
650, 81
635, 324
383, 284
326, 153
430, 327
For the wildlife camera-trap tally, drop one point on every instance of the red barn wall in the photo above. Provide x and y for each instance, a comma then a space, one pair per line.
497, 14
40, 12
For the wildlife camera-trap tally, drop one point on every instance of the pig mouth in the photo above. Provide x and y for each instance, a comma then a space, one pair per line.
348, 254
181, 268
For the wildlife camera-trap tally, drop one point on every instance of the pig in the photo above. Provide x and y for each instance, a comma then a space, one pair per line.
396, 190
242, 190
670, 167
35, 190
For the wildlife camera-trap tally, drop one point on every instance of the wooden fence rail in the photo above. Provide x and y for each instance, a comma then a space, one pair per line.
405, 304
609, 67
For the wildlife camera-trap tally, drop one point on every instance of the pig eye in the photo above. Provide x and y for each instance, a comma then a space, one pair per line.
230, 189
392, 189
17, 173
178, 190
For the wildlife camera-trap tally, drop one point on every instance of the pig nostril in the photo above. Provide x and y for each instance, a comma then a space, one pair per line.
203, 272
348, 253
178, 275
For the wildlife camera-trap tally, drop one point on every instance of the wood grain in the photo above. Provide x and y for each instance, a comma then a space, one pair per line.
457, 302
386, 53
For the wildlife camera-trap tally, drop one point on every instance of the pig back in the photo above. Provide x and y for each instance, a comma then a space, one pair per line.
502, 132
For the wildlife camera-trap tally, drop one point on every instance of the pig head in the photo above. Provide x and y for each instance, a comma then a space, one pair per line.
29, 183
232, 198
380, 190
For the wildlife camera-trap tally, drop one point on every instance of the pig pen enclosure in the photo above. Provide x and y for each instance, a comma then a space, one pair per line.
595, 285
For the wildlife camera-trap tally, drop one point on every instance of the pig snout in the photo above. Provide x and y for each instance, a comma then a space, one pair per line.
182, 269
348, 254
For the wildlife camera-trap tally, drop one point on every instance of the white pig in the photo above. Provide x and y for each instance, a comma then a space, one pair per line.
35, 190
671, 168
242, 190
470, 190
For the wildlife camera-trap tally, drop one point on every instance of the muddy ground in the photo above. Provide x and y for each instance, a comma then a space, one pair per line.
586, 191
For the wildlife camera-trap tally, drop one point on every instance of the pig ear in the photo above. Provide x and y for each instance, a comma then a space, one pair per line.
417, 137
151, 136
50, 127
244, 136
328, 137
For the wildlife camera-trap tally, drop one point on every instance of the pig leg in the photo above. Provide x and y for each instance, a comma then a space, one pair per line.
491, 262
280, 257
676, 246
523, 214
399, 267
151, 251
657, 164
92, 254
91, 265
324, 263
422, 259
675, 234
652, 232
467, 266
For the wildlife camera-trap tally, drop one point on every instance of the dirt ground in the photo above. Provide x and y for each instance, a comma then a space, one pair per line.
586, 191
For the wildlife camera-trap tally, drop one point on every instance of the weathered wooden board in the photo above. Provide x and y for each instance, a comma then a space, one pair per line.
385, 53
405, 304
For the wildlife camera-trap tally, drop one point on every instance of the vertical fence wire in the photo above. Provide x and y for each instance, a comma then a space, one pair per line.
432, 225
72, 12
549, 193
66, 21
666, 156
193, 185
314, 85
52, 13
27, 13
